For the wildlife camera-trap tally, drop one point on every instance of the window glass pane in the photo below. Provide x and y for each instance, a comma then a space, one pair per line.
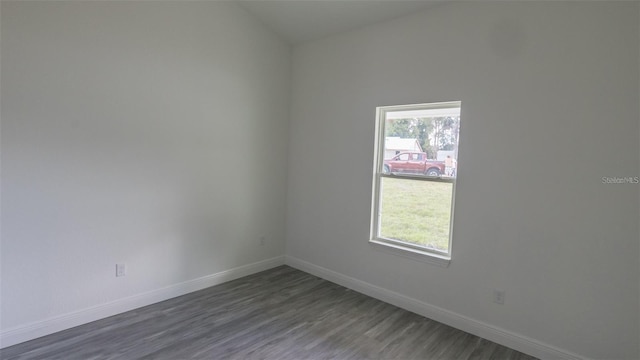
414, 177
416, 212
422, 142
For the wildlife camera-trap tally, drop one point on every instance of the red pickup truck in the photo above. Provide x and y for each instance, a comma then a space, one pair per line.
413, 163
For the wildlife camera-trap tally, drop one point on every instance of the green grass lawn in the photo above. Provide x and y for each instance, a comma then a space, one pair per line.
416, 211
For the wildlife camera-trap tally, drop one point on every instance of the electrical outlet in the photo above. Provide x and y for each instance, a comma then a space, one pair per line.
262, 240
120, 270
498, 296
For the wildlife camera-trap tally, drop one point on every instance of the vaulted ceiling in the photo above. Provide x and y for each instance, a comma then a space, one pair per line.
298, 21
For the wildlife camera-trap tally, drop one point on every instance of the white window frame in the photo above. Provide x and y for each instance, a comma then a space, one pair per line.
397, 247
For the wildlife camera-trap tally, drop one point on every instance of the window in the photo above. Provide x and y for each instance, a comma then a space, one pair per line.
414, 189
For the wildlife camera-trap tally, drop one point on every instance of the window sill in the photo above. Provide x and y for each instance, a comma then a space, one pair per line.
422, 256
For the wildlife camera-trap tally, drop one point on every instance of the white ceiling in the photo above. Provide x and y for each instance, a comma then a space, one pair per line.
298, 21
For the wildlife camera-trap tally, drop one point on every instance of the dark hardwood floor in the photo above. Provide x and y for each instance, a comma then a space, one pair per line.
282, 313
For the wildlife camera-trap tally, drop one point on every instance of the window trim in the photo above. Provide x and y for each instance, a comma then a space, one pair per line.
397, 247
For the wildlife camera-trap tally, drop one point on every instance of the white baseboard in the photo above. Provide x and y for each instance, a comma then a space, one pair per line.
62, 322
472, 326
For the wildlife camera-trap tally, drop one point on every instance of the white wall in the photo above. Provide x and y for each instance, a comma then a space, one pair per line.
549, 97
147, 133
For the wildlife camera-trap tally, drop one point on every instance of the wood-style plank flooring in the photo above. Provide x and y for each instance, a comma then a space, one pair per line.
282, 313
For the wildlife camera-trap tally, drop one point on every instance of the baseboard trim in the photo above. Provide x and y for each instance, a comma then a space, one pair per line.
38, 329
503, 337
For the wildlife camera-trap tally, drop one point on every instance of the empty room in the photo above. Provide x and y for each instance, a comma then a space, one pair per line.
316, 179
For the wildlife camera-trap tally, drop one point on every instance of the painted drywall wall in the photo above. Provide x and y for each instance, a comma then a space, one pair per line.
549, 97
152, 134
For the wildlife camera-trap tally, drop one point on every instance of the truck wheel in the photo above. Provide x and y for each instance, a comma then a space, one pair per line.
433, 172
385, 169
